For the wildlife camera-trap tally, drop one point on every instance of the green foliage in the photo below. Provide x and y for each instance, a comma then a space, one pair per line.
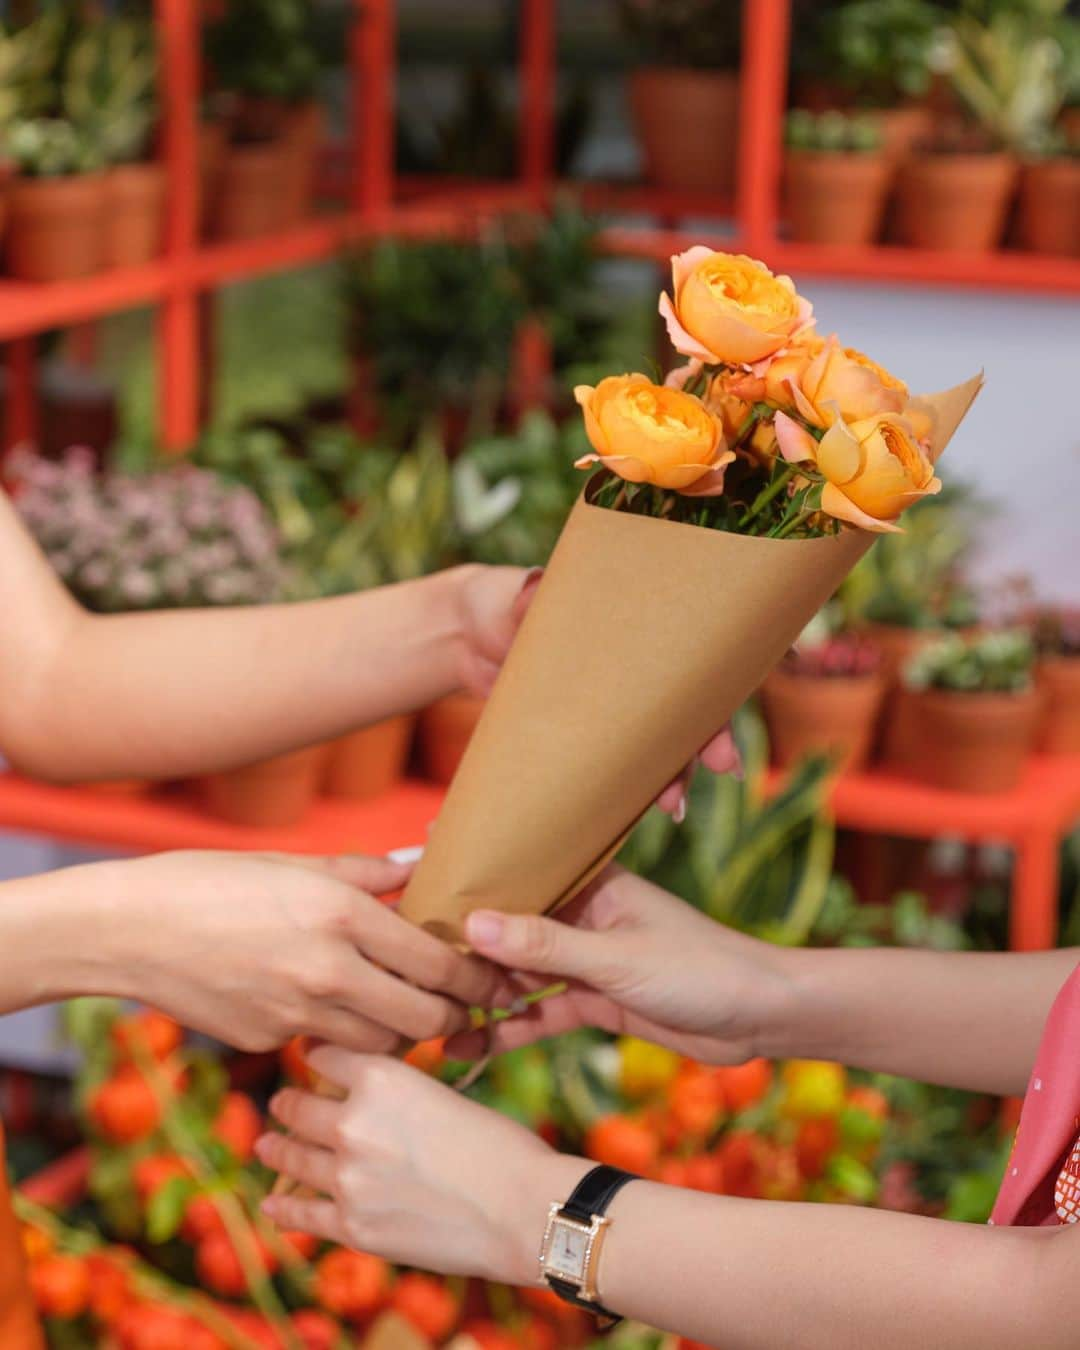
698, 33
832, 132
908, 922
110, 86
265, 49
51, 147
1007, 64
29, 58
999, 662
760, 864
913, 579
878, 50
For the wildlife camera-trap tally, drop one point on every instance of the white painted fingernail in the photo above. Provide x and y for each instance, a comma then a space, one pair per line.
679, 814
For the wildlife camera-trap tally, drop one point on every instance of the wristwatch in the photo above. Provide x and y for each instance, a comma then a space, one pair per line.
574, 1236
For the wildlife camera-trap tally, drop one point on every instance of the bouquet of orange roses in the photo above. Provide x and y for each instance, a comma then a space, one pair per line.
725, 507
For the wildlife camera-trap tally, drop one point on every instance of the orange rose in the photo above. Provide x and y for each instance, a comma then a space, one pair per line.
647, 433
730, 310
873, 468
834, 382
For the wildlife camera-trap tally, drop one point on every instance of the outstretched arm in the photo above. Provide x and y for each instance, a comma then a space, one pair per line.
641, 961
171, 694
425, 1177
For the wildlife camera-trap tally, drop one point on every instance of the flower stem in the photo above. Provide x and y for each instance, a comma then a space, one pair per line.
767, 493
796, 520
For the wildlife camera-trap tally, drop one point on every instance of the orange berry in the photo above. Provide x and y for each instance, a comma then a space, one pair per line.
61, 1285
672, 1172
428, 1056
815, 1143
36, 1243
352, 1284
124, 1108
427, 1303
201, 1218
739, 1154
744, 1085
304, 1244
870, 1100
696, 1101
490, 1336
705, 1173
110, 1287
219, 1268
238, 1125
148, 1032
317, 1330
545, 1300
151, 1173
536, 1334
623, 1142
293, 1058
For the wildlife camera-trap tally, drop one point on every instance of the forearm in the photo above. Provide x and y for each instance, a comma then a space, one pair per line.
171, 694
969, 1020
754, 1275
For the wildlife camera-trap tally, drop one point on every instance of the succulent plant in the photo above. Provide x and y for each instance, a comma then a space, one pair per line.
265, 49
992, 663
29, 62
51, 147
843, 656
109, 88
832, 132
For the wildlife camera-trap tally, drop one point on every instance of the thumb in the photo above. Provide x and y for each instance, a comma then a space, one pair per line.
530, 942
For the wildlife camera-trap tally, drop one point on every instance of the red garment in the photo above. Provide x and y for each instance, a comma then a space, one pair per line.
1041, 1186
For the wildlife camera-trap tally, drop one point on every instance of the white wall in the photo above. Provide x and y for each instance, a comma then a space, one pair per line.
1020, 444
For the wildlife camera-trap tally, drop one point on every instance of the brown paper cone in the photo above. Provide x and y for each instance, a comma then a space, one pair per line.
644, 638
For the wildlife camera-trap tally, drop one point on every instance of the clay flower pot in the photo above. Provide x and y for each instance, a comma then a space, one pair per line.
5, 189
370, 761
213, 146
897, 645
903, 128
971, 742
835, 198
833, 714
1058, 682
302, 134
445, 730
134, 218
56, 227
955, 202
1048, 216
251, 201
274, 792
687, 123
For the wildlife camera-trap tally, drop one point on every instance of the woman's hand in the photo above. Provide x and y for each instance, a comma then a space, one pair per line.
256, 948
412, 1171
639, 961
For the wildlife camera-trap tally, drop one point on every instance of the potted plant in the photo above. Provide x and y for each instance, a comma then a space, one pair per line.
836, 177
824, 699
28, 57
172, 539
876, 54
974, 711
110, 91
684, 91
1057, 641
264, 54
955, 191
58, 201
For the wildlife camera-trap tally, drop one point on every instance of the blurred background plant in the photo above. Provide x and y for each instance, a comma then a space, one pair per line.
696, 33
110, 86
998, 662
876, 51
265, 49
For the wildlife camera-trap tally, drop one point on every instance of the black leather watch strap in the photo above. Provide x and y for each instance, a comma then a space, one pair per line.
590, 1198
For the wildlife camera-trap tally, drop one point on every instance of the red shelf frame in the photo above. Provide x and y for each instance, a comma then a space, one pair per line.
379, 203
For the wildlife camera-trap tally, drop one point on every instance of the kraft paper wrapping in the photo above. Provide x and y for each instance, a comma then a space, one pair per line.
643, 639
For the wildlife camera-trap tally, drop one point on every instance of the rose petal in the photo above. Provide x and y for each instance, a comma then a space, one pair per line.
682, 264
835, 504
795, 442
679, 337
711, 482
839, 455
681, 376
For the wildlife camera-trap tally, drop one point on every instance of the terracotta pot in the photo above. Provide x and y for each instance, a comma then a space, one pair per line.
273, 792
835, 198
250, 201
1058, 681
834, 715
1048, 215
903, 128
302, 136
213, 146
5, 189
121, 787
56, 227
370, 761
687, 123
897, 646
445, 729
135, 215
971, 742
955, 202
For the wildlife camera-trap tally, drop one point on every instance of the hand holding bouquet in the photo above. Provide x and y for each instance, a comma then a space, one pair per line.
731, 501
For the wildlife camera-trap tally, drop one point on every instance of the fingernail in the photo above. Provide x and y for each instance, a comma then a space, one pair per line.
485, 928
532, 576
679, 814
262, 1142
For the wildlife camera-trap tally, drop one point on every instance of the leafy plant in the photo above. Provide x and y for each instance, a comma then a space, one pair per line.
29, 59
831, 132
110, 84
1007, 67
878, 50
52, 147
842, 656
265, 49
994, 663
1056, 632
698, 33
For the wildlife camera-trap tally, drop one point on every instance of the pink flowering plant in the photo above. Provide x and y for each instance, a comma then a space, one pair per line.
175, 538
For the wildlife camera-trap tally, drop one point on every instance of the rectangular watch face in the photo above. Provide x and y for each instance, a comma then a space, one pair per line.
567, 1250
